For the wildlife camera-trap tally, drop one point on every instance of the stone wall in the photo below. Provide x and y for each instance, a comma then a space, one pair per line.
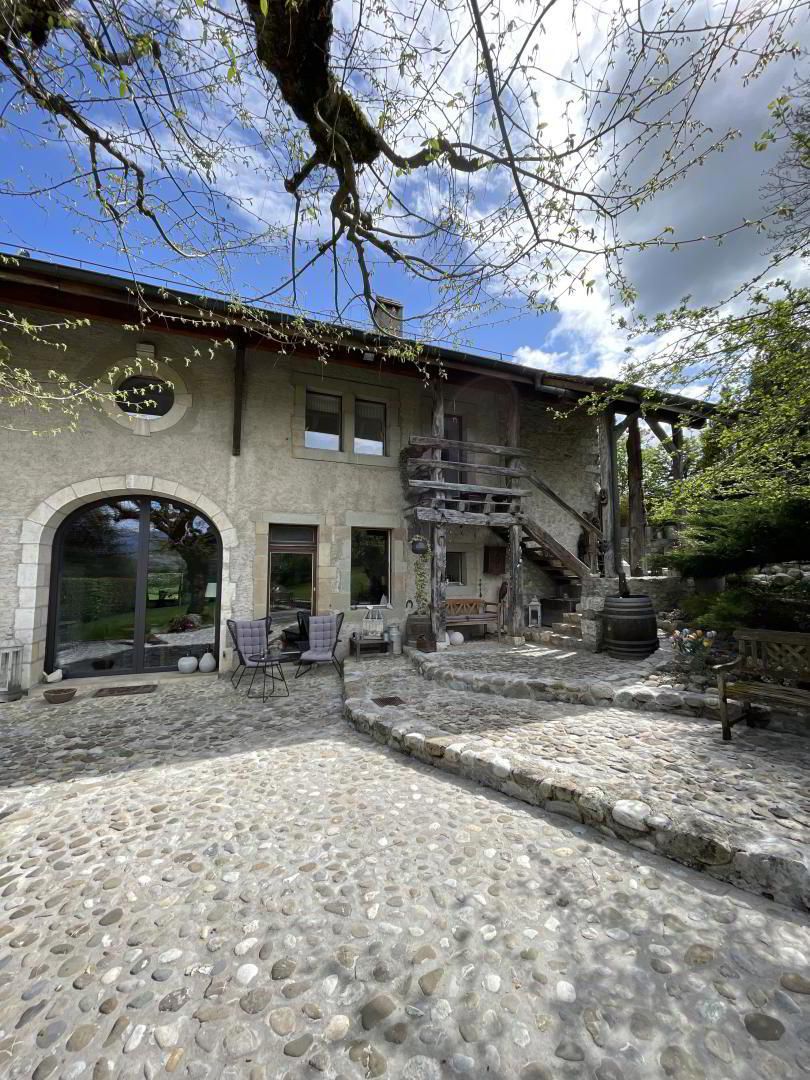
565, 455
781, 575
665, 592
275, 479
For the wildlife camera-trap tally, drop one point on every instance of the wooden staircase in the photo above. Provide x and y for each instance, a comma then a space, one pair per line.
560, 564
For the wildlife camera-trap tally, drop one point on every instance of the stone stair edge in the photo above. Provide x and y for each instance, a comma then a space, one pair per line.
751, 860
638, 696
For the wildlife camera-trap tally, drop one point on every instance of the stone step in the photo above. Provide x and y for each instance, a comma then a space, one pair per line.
565, 629
573, 618
556, 641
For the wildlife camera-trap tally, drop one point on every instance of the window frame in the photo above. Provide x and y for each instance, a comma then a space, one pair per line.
384, 406
462, 557
350, 388
355, 604
341, 423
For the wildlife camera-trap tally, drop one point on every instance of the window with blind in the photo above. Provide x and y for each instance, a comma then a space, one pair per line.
369, 428
323, 422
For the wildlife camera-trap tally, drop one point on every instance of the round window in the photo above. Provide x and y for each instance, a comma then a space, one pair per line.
145, 396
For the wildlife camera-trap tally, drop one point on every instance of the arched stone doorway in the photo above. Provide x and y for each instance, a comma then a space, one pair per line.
135, 585
38, 532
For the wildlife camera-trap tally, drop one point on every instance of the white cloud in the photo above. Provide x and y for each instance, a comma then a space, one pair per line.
529, 356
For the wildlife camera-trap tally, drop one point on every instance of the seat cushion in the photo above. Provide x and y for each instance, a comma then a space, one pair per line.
322, 633
251, 636
316, 656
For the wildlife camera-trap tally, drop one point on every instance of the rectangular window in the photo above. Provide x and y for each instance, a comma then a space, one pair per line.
323, 422
454, 572
369, 427
370, 566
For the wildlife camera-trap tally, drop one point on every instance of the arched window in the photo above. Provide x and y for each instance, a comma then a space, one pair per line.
135, 586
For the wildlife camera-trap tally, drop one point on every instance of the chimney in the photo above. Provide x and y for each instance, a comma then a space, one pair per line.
388, 316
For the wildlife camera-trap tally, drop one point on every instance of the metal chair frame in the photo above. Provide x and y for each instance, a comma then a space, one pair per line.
243, 662
306, 665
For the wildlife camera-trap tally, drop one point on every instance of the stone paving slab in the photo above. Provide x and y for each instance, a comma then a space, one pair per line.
739, 811
544, 673
192, 885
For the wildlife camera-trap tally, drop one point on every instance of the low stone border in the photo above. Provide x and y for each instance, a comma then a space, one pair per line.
744, 857
575, 691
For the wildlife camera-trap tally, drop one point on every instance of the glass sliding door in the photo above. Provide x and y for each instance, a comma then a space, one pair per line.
291, 581
94, 631
181, 585
135, 586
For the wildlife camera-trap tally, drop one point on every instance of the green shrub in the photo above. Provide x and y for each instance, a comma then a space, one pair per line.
738, 534
747, 605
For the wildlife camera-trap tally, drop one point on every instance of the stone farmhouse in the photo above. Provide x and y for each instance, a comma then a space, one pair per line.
255, 478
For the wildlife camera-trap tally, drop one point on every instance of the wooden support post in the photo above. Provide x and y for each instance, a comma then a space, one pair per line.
515, 614
635, 490
238, 395
438, 583
438, 574
608, 482
679, 457
515, 625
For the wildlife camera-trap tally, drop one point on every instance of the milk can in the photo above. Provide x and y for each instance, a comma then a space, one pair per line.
395, 637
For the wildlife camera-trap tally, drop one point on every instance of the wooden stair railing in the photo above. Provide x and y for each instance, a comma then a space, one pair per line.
568, 559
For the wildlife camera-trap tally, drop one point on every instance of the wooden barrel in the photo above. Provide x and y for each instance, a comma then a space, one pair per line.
630, 628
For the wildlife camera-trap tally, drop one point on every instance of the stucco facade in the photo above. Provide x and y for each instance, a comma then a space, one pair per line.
274, 479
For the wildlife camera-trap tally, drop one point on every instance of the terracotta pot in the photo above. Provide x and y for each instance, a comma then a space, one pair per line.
60, 696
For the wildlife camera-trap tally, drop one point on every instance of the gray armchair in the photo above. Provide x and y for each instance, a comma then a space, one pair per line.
324, 635
249, 638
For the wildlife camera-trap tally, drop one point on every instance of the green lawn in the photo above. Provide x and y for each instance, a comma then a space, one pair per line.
113, 627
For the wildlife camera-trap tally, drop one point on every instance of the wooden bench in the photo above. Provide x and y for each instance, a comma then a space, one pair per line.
473, 612
775, 653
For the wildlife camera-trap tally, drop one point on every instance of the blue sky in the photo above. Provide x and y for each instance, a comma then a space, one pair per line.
581, 338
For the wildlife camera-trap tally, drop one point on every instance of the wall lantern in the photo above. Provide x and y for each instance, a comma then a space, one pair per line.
11, 655
419, 545
535, 612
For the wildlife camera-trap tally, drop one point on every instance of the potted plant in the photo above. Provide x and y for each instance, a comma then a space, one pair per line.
417, 625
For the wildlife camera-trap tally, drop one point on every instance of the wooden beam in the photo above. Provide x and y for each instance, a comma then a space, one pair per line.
608, 482
662, 436
433, 442
238, 395
472, 489
463, 517
635, 486
622, 426
438, 582
541, 485
414, 465
438, 566
514, 615
679, 457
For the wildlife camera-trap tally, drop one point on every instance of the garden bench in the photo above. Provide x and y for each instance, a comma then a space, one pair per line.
473, 612
775, 653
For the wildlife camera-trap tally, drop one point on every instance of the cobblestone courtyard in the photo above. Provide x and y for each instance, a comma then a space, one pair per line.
196, 885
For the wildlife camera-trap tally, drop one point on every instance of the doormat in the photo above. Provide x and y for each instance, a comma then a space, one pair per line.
383, 701
122, 691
